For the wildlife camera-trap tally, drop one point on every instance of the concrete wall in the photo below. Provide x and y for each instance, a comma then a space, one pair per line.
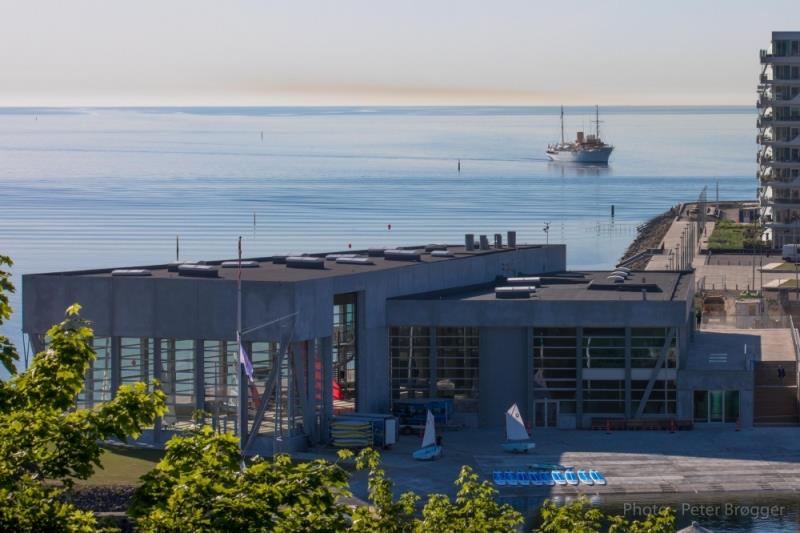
692, 380
503, 374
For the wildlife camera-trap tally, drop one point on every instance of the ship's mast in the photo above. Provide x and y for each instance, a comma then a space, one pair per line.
597, 122
562, 124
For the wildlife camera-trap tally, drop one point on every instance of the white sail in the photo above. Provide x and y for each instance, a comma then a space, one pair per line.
429, 438
515, 427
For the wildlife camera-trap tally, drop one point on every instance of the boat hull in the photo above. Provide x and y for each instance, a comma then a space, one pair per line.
593, 155
428, 453
518, 446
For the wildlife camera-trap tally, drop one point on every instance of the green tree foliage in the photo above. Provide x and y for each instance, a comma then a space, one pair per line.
199, 485
579, 517
8, 354
45, 442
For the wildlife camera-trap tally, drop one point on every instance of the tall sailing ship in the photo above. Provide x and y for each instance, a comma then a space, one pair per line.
585, 149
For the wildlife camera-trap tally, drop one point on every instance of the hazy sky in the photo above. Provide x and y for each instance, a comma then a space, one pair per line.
239, 52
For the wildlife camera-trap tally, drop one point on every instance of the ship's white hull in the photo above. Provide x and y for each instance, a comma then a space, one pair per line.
591, 155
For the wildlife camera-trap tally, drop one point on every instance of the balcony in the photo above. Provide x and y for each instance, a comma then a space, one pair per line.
764, 56
764, 122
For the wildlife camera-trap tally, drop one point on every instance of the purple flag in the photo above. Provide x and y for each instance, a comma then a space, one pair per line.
245, 360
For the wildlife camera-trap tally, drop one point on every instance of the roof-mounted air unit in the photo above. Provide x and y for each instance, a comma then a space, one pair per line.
519, 292
235, 264
198, 271
402, 255
131, 272
304, 261
354, 260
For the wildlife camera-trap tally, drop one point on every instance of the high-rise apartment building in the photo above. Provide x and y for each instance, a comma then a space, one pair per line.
779, 138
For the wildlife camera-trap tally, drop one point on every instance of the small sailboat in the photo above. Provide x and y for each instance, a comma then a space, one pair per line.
517, 438
429, 449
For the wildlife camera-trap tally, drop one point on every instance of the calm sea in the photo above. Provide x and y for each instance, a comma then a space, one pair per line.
112, 187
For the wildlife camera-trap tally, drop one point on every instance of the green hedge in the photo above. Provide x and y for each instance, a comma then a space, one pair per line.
728, 235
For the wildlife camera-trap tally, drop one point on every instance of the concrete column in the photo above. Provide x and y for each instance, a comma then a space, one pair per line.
433, 358
628, 348
157, 376
116, 364
312, 419
326, 349
530, 371
199, 376
579, 378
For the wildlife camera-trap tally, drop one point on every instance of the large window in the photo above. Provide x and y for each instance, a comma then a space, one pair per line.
604, 396
136, 360
101, 372
220, 368
554, 367
457, 363
410, 352
603, 348
662, 399
177, 375
646, 345
345, 357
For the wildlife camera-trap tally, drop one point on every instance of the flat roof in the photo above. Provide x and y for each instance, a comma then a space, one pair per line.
268, 271
582, 286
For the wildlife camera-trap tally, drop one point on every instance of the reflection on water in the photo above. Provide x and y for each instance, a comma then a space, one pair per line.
736, 512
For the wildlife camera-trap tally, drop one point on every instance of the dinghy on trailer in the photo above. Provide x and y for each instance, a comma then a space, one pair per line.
517, 438
429, 449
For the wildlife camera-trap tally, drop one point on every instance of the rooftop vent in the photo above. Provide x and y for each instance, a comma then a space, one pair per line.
616, 278
469, 241
511, 238
498, 240
617, 272
173, 266
441, 253
402, 255
131, 272
279, 259
532, 281
354, 260
334, 257
435, 247
623, 269
197, 271
376, 252
303, 261
484, 242
520, 292
235, 264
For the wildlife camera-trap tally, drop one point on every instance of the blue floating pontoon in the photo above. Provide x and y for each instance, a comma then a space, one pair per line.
498, 477
597, 477
584, 477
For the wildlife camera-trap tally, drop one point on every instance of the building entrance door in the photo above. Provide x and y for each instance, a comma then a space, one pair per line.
715, 406
546, 413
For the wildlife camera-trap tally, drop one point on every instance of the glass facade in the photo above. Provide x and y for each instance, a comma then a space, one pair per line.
409, 349
716, 406
100, 382
456, 364
178, 382
663, 397
603, 348
221, 393
136, 360
604, 396
554, 363
646, 344
345, 357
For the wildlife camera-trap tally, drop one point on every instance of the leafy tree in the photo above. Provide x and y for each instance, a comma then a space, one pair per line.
45, 442
579, 517
199, 485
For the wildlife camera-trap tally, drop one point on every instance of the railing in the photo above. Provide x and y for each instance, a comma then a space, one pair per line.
795, 339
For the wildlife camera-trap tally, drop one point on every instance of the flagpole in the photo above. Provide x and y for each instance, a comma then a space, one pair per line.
242, 385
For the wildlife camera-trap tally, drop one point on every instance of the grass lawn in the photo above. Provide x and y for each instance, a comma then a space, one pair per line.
791, 267
123, 465
789, 284
728, 235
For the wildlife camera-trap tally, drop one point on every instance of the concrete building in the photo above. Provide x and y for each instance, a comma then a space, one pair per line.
486, 326
779, 136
